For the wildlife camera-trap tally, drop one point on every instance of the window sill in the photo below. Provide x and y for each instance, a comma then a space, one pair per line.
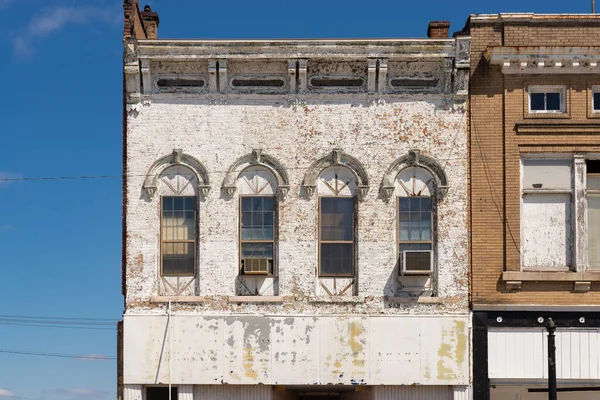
177, 299
255, 299
415, 300
581, 280
337, 299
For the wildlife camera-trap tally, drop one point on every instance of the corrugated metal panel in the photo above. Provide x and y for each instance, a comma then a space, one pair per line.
522, 353
412, 392
233, 392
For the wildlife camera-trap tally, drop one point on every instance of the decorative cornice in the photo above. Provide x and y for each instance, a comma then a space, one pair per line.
545, 60
296, 49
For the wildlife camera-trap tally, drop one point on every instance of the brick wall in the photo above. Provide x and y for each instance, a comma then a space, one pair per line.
497, 103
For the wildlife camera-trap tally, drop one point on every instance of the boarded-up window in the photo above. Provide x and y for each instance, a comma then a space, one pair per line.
546, 240
546, 214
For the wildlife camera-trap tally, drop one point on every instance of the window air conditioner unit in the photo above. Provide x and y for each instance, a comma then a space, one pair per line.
257, 266
417, 262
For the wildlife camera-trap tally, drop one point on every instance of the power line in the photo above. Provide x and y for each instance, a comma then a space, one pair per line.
57, 318
98, 357
57, 326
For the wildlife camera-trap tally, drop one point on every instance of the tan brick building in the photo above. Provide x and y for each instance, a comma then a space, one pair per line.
535, 226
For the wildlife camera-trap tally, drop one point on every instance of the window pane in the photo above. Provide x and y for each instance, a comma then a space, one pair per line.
404, 203
336, 259
178, 258
257, 250
246, 203
536, 101
415, 246
553, 101
337, 218
167, 203
425, 203
596, 101
178, 203
594, 230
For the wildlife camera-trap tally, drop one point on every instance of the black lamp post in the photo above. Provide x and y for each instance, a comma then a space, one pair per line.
551, 328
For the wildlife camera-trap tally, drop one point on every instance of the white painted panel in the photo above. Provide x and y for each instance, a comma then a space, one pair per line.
522, 353
205, 337
397, 356
412, 392
444, 351
344, 354
370, 350
546, 233
295, 350
247, 355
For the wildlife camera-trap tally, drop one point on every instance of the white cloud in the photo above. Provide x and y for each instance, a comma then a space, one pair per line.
56, 18
4, 392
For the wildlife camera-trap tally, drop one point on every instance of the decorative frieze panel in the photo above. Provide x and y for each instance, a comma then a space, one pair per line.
545, 60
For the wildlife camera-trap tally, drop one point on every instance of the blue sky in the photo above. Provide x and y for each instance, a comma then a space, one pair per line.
60, 115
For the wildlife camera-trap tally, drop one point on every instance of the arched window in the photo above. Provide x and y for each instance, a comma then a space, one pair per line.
260, 181
414, 187
177, 187
257, 187
339, 179
419, 184
336, 189
178, 179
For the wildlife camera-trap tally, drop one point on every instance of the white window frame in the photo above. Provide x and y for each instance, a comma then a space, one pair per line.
561, 90
595, 89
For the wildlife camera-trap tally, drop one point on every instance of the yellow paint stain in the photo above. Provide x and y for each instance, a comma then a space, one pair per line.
445, 351
355, 330
461, 342
337, 364
249, 372
358, 363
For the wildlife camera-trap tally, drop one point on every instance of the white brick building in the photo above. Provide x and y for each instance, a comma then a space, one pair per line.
295, 218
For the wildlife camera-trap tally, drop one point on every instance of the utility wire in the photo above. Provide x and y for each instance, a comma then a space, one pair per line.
61, 355
58, 326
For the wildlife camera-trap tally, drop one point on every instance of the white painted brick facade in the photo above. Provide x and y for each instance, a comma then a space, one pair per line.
219, 126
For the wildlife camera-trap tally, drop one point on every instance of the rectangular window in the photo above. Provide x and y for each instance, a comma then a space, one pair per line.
415, 238
160, 393
596, 100
546, 99
336, 236
257, 236
546, 214
178, 235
